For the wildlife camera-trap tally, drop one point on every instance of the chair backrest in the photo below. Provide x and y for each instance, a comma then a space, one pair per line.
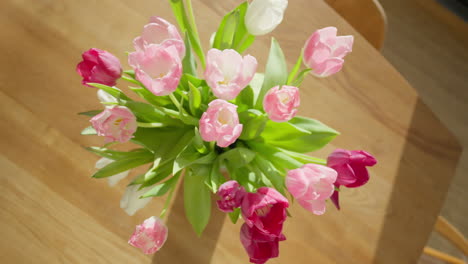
366, 16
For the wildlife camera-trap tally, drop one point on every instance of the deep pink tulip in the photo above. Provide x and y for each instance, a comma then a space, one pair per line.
116, 123
159, 31
159, 68
231, 194
351, 167
281, 104
228, 73
149, 236
311, 185
266, 210
324, 52
259, 247
220, 123
99, 66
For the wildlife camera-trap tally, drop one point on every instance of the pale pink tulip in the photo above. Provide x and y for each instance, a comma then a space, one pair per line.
159, 31
159, 68
281, 104
311, 185
227, 72
99, 66
220, 123
324, 52
150, 236
116, 123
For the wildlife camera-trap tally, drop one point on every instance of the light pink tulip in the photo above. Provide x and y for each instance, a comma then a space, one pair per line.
116, 123
159, 68
149, 236
99, 66
311, 185
227, 72
324, 52
220, 123
281, 104
159, 31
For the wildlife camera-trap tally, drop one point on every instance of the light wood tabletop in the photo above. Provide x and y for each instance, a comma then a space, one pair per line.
53, 212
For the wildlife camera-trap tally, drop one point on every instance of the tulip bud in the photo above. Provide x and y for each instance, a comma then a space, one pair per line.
99, 66
149, 236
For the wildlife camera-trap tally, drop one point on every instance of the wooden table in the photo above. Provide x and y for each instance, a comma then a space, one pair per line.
53, 212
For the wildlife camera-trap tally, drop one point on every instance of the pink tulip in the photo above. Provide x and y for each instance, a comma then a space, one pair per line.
159, 68
351, 167
231, 194
220, 123
259, 247
115, 123
324, 51
265, 210
149, 236
311, 185
159, 31
227, 72
99, 66
281, 104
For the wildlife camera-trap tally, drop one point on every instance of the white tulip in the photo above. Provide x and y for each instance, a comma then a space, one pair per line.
112, 180
131, 201
264, 15
105, 97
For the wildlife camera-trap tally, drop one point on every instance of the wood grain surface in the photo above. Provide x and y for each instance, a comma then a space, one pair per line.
53, 212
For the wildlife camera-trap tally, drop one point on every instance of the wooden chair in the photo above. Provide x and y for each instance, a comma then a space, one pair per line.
448, 231
366, 16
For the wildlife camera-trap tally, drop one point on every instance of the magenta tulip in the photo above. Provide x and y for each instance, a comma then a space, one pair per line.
116, 123
220, 123
231, 194
259, 247
158, 68
159, 31
228, 73
351, 167
99, 66
311, 185
324, 52
281, 104
266, 210
149, 236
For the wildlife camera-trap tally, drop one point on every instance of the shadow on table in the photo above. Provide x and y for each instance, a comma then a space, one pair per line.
417, 196
183, 245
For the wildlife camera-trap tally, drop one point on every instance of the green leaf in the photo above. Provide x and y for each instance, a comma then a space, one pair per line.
254, 122
148, 113
89, 131
225, 35
270, 172
189, 64
243, 39
190, 156
234, 215
130, 73
117, 155
304, 158
163, 188
91, 113
199, 143
256, 85
216, 177
295, 69
245, 99
121, 166
278, 158
276, 72
237, 157
194, 99
160, 173
115, 92
300, 134
156, 139
150, 97
197, 201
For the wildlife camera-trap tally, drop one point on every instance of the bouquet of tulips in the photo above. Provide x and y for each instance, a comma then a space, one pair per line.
229, 130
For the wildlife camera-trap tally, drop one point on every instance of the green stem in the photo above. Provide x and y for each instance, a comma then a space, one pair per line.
295, 70
168, 201
193, 27
183, 115
140, 124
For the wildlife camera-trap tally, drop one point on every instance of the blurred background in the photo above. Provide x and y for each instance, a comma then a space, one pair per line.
427, 42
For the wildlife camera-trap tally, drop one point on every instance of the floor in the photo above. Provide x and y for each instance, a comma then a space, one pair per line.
428, 45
